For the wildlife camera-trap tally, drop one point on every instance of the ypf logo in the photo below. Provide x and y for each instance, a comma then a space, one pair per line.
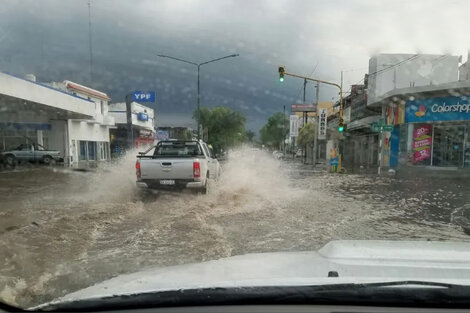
421, 112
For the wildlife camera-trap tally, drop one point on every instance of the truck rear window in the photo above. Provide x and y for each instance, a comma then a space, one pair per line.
178, 149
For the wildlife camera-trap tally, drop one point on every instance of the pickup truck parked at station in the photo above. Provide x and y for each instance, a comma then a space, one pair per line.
30, 153
177, 165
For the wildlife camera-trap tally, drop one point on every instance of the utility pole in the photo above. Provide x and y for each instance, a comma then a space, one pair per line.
90, 42
304, 116
198, 65
199, 126
284, 131
317, 119
130, 134
341, 97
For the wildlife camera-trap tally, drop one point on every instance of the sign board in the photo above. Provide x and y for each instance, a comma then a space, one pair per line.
381, 127
304, 108
322, 120
452, 108
294, 126
387, 128
141, 116
163, 135
143, 96
422, 143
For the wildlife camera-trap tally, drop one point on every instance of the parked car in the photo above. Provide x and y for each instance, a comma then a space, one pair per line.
30, 153
278, 154
177, 165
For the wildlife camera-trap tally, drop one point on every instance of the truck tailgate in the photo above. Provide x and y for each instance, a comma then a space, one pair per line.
171, 168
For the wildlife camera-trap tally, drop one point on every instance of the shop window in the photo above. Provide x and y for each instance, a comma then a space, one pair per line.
83, 151
91, 150
448, 146
45, 140
106, 150
466, 156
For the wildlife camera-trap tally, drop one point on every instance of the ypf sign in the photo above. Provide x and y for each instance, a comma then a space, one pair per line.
143, 96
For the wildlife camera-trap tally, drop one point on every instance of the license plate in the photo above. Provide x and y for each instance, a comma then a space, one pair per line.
167, 182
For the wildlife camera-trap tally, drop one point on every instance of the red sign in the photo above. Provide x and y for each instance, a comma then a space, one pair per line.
422, 143
422, 155
303, 107
421, 131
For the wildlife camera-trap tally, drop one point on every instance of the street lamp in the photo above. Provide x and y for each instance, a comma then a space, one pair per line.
198, 83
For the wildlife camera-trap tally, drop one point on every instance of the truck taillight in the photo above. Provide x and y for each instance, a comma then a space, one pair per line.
137, 168
196, 169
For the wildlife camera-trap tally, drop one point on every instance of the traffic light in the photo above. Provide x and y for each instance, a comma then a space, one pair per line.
281, 74
341, 125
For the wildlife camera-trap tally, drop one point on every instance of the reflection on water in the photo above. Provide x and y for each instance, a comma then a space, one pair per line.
61, 230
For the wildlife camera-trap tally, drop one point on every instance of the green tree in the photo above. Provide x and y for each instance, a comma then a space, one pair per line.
249, 135
275, 130
225, 127
187, 135
306, 135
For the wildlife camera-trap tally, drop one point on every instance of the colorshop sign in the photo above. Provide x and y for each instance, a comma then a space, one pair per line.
437, 109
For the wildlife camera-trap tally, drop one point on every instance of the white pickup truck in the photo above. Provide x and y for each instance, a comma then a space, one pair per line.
177, 165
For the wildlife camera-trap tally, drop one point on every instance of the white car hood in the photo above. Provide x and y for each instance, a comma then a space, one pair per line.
354, 261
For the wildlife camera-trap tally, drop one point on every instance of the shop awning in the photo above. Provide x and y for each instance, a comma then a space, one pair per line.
19, 95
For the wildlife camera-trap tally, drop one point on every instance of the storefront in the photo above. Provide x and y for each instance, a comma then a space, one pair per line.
432, 131
142, 133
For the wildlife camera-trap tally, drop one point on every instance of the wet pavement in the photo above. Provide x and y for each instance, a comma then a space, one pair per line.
61, 230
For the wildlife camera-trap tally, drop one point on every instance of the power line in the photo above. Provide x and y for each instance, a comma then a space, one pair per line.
313, 71
395, 65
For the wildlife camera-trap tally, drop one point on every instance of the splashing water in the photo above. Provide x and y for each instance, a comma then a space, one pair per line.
74, 229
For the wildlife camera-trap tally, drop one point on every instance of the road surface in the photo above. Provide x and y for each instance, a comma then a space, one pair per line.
62, 230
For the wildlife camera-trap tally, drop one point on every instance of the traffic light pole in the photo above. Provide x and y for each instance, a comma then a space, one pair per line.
315, 141
327, 83
282, 73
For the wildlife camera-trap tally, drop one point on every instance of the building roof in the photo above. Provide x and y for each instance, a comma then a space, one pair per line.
457, 88
18, 93
86, 90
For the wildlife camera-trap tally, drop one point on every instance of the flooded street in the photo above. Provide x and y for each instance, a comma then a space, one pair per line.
61, 230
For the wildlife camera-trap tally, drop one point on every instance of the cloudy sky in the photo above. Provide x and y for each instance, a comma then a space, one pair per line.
320, 38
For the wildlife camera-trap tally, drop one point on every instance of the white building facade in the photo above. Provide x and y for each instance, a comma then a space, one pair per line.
67, 117
388, 72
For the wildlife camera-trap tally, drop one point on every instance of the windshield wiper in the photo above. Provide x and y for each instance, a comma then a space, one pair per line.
409, 283
403, 293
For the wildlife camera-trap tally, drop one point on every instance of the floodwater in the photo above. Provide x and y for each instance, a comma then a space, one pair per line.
61, 230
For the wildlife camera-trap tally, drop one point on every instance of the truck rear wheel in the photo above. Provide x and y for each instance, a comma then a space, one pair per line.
205, 189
